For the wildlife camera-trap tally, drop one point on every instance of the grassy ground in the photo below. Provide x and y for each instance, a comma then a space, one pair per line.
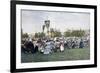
68, 54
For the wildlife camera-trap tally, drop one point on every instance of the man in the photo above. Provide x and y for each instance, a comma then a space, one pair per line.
81, 45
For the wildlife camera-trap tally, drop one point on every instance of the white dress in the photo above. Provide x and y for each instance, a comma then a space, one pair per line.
61, 48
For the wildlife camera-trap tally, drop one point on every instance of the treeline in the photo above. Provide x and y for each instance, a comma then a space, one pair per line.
57, 33
76, 33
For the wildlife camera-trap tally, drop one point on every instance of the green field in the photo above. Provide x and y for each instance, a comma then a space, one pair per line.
68, 54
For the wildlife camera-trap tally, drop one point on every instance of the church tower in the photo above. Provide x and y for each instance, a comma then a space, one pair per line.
47, 27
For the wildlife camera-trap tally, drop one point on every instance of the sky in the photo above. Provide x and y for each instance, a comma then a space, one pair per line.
32, 20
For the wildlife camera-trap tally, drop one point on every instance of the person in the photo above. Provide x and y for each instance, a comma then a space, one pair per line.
23, 48
31, 46
61, 47
81, 45
36, 47
73, 44
48, 48
57, 45
41, 49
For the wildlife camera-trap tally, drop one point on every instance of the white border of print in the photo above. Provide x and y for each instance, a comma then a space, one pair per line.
20, 65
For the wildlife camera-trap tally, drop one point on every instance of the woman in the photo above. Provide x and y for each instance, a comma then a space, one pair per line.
62, 47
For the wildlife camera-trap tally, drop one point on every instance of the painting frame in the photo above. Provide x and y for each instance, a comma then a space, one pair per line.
13, 35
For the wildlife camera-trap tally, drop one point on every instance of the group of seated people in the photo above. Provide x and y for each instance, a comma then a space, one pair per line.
44, 47
49, 46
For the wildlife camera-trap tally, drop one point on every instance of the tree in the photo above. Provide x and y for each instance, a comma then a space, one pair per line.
52, 32
25, 35
43, 27
67, 33
76, 33
57, 33
39, 35
36, 35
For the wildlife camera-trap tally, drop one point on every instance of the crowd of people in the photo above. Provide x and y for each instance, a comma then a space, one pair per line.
47, 46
